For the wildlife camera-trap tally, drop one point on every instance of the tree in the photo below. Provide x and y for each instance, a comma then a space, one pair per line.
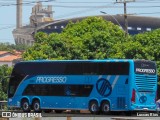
127, 50
4, 72
91, 38
11, 47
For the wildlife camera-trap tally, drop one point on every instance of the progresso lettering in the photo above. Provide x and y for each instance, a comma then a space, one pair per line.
145, 70
57, 79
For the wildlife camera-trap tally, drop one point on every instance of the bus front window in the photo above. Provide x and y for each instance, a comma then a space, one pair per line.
13, 84
11, 91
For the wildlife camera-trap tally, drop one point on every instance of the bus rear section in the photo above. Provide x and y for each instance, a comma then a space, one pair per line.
144, 86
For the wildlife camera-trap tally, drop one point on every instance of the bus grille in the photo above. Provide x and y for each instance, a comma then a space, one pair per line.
146, 83
120, 102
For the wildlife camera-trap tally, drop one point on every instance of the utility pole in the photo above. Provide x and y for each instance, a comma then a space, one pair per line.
125, 14
125, 18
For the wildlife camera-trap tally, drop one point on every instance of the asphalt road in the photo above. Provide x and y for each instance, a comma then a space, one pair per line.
84, 115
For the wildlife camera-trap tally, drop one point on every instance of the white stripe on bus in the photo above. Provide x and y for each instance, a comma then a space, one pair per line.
115, 81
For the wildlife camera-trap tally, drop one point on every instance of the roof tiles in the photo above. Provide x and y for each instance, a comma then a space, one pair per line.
6, 56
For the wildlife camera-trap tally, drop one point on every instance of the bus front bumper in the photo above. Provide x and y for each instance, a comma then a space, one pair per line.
14, 103
143, 107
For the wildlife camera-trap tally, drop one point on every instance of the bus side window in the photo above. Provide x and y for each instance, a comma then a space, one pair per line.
67, 90
43, 89
29, 90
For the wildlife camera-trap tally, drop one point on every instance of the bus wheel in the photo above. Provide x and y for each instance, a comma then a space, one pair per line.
105, 107
25, 105
58, 111
93, 107
36, 106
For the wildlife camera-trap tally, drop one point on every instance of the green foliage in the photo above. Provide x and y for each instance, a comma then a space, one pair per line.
11, 47
4, 72
91, 38
151, 44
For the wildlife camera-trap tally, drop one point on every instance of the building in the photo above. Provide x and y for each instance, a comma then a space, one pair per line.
39, 17
41, 20
9, 59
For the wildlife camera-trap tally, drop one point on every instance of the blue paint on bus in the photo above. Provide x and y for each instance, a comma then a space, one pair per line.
95, 85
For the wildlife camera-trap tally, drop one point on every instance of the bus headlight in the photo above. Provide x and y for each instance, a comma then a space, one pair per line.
18, 103
10, 100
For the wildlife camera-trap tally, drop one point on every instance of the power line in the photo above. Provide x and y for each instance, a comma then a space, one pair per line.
71, 6
147, 13
7, 24
25, 3
104, 6
146, 0
83, 11
7, 27
106, 2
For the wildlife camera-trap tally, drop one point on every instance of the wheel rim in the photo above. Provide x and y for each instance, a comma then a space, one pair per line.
106, 108
36, 106
94, 107
25, 105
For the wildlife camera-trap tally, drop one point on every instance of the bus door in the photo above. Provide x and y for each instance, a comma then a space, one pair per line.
70, 95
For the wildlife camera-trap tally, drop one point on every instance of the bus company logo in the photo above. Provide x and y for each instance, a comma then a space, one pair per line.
142, 99
144, 65
103, 87
57, 79
145, 70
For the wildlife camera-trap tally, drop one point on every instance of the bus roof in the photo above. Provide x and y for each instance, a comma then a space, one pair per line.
94, 60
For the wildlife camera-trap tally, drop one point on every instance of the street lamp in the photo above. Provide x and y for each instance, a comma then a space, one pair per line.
113, 18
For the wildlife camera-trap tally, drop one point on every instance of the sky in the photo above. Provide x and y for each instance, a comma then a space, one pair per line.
64, 9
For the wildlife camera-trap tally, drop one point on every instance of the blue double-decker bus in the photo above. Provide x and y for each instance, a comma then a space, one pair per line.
94, 85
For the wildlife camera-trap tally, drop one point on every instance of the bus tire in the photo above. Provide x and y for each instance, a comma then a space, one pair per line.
93, 107
105, 107
25, 105
36, 106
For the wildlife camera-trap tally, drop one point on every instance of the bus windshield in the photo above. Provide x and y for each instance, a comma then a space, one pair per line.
145, 67
14, 82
